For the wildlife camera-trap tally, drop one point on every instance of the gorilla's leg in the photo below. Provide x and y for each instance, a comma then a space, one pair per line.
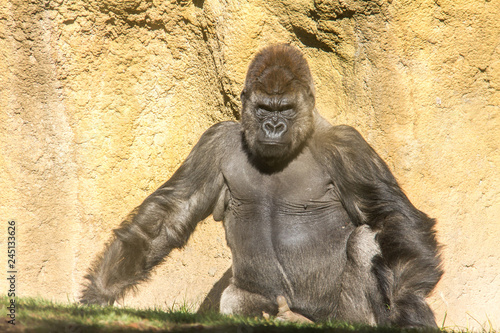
238, 301
361, 300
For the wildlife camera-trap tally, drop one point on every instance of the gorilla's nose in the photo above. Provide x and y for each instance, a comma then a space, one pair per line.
274, 129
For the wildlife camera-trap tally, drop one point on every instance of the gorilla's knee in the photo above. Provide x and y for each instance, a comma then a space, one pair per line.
238, 301
362, 246
231, 300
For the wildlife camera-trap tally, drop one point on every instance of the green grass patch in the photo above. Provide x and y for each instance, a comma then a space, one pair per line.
39, 315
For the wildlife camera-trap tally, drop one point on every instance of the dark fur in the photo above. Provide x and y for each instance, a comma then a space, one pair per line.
311, 213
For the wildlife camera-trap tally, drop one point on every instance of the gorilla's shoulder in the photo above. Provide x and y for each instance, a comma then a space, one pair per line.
345, 131
223, 129
342, 135
227, 127
222, 135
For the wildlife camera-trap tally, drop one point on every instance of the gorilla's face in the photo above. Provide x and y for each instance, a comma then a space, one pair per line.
277, 125
278, 105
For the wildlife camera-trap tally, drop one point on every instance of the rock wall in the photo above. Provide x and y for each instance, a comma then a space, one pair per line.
100, 101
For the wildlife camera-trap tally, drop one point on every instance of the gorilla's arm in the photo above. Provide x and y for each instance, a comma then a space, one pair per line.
164, 221
409, 266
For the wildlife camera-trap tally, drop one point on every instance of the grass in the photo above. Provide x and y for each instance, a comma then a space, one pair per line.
39, 315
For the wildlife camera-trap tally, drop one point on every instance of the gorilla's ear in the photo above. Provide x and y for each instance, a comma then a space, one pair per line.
243, 94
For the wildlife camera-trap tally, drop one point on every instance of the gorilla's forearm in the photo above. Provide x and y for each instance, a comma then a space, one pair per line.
140, 243
120, 266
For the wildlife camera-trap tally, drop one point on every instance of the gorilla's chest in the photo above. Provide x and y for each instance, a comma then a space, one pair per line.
293, 209
301, 182
285, 230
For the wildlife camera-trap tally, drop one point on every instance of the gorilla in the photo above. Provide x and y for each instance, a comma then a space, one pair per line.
318, 227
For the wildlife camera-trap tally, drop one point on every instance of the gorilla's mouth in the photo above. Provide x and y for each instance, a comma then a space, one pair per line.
271, 143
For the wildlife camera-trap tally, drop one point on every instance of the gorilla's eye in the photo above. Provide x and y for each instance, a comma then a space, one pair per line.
288, 112
263, 112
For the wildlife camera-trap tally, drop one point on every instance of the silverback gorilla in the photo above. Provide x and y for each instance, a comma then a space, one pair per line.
313, 216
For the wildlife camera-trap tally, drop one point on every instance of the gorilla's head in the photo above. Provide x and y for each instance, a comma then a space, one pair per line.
278, 103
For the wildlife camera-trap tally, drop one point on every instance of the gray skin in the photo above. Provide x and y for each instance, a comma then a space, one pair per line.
317, 225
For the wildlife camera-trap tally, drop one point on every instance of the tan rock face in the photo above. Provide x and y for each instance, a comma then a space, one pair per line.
100, 102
